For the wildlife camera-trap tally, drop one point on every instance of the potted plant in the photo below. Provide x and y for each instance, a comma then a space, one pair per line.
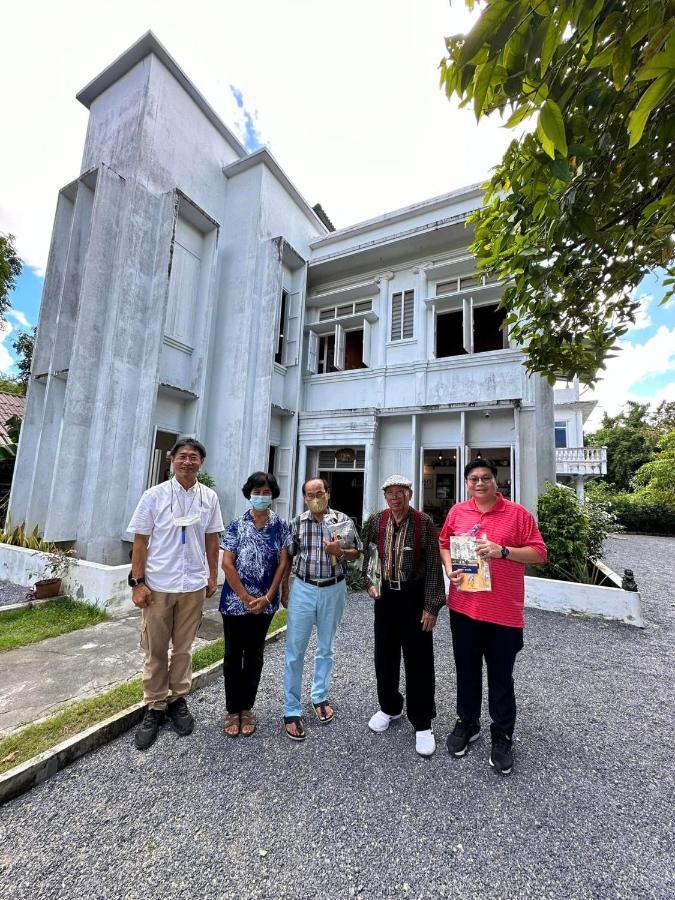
56, 565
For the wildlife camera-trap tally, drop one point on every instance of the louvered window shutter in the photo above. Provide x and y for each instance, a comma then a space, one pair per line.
396, 316
408, 314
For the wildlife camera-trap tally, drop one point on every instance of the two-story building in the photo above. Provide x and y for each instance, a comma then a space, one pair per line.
191, 289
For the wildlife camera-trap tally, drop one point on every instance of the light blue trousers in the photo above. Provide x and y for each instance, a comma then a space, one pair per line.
310, 606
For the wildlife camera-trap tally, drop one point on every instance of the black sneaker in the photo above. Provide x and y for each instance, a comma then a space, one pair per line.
460, 737
180, 715
147, 731
501, 756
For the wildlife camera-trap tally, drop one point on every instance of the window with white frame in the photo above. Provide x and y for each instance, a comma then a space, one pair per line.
561, 434
402, 315
470, 328
183, 301
279, 355
340, 350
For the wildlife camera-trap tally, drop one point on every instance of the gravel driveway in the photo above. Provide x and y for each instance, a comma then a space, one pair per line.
588, 812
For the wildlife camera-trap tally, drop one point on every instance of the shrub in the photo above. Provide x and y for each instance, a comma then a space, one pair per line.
643, 517
206, 479
573, 533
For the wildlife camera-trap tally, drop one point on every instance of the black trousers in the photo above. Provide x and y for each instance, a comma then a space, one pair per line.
473, 641
243, 659
398, 628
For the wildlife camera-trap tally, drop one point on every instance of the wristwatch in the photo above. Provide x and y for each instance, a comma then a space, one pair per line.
504, 552
134, 582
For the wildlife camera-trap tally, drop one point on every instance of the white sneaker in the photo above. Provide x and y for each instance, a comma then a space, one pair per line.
425, 742
381, 721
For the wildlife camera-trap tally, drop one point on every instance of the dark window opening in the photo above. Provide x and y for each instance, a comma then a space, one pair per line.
354, 350
449, 337
279, 355
271, 459
488, 329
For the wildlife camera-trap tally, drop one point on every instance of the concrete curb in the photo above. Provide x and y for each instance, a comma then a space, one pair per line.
34, 771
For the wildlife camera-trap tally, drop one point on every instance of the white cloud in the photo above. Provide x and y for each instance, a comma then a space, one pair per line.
19, 317
6, 358
633, 364
643, 318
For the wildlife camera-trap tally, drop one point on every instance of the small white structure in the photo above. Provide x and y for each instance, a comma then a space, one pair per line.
191, 289
574, 463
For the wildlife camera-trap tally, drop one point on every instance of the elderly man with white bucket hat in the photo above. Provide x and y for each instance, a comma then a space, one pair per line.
404, 576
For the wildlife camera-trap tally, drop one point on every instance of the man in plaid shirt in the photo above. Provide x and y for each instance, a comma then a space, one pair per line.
324, 540
406, 606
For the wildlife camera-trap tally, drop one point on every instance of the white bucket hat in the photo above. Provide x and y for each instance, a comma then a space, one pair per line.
397, 481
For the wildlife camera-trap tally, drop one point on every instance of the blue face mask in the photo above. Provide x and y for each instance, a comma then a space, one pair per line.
261, 501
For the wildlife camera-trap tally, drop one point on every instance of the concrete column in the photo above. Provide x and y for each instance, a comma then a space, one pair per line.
383, 281
579, 487
371, 494
421, 311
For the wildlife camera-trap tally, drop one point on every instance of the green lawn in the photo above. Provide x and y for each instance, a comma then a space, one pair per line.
35, 739
28, 626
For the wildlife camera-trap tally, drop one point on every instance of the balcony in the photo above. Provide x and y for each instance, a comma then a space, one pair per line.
586, 461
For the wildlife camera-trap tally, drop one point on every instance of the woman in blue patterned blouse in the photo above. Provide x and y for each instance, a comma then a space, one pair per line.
255, 557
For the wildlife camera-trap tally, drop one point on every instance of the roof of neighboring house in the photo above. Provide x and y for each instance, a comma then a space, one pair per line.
10, 405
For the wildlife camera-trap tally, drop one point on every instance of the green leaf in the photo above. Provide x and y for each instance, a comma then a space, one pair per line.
659, 64
551, 42
651, 98
604, 58
621, 61
481, 31
522, 112
561, 169
552, 126
482, 83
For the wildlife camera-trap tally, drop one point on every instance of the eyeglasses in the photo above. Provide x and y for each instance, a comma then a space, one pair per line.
184, 457
394, 495
484, 478
316, 496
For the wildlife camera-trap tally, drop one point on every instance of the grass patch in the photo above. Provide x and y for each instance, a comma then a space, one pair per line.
35, 739
21, 627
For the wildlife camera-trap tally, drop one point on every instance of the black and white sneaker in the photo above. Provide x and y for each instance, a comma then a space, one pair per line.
460, 737
180, 715
501, 755
147, 731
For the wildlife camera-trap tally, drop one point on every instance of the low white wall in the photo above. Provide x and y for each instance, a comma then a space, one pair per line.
588, 599
103, 586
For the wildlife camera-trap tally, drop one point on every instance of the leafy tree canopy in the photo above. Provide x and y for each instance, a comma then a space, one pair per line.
581, 209
631, 438
11, 386
10, 269
654, 480
24, 345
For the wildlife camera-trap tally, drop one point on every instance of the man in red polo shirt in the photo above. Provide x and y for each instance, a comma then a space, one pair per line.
489, 624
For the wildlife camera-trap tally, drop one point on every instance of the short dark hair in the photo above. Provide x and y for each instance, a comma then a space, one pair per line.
188, 442
480, 464
259, 480
326, 486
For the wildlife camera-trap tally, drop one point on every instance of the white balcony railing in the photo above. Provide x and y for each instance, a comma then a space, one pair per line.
581, 461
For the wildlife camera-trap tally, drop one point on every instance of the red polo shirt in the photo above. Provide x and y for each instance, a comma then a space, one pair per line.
510, 525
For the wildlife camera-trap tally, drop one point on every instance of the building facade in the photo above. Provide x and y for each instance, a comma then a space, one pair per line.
191, 289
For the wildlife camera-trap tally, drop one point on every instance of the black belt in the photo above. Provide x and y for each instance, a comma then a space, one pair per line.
325, 582
401, 585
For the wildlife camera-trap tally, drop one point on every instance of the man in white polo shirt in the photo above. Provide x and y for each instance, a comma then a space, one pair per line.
174, 566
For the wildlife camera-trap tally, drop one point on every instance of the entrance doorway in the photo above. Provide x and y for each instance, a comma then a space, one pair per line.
160, 467
502, 457
439, 482
346, 493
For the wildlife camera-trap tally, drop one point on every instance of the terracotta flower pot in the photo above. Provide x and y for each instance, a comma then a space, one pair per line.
48, 587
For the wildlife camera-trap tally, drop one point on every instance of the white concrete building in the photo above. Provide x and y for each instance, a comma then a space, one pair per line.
191, 289
574, 463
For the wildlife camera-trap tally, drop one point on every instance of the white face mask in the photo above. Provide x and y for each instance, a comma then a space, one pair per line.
184, 521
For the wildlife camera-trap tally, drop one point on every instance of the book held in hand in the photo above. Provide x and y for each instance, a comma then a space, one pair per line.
464, 558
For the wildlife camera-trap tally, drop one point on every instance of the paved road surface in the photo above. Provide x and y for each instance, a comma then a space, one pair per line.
588, 812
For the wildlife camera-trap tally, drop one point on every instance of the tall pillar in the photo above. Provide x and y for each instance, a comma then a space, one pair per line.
383, 281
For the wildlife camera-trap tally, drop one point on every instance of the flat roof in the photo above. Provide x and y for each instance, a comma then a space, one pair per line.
146, 45
404, 212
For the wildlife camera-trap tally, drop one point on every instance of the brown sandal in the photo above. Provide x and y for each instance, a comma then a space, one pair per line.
232, 725
248, 723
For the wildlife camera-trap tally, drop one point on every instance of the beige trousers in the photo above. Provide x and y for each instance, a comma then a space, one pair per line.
170, 619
